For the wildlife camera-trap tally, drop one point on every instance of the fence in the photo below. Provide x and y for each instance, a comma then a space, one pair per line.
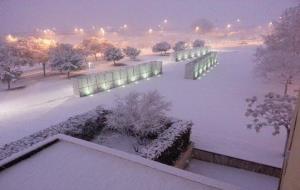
94, 83
198, 67
190, 53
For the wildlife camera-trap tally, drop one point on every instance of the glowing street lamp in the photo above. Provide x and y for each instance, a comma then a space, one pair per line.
238, 20
150, 31
197, 28
228, 26
102, 31
165, 21
125, 26
11, 38
270, 24
79, 30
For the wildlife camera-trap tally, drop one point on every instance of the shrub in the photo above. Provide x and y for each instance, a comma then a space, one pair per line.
140, 115
169, 144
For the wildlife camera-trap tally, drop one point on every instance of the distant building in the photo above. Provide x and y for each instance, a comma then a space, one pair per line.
290, 179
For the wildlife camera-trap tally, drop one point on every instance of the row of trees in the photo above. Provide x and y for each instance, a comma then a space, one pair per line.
64, 58
164, 47
94, 46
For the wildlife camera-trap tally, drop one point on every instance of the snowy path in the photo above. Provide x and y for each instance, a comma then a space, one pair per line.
214, 103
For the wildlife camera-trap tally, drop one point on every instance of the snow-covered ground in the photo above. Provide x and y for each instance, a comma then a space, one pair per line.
241, 178
214, 103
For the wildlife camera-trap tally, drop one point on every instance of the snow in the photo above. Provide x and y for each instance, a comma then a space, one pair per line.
215, 104
75, 164
245, 179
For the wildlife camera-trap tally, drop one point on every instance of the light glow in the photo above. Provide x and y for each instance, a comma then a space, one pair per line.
11, 38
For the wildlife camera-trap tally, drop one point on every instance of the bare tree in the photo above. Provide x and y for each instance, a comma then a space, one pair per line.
275, 111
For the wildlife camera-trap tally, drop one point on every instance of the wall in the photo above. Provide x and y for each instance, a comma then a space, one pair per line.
235, 162
290, 179
94, 83
190, 53
200, 66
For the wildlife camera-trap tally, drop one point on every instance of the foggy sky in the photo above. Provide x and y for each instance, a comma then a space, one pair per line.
21, 16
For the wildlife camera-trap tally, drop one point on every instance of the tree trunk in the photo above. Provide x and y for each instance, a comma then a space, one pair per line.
286, 141
68, 75
44, 69
8, 85
114, 62
286, 85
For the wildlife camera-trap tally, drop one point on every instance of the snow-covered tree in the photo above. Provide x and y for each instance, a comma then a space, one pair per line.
65, 58
180, 45
198, 43
113, 54
274, 111
279, 58
10, 62
131, 52
91, 46
139, 114
37, 49
161, 47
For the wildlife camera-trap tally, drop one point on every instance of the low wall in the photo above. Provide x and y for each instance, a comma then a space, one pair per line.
199, 66
190, 53
236, 163
94, 83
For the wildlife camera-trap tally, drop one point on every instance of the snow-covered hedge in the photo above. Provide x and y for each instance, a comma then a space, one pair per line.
84, 126
167, 147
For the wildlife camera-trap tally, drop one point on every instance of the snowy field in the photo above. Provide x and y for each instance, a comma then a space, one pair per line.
241, 178
215, 103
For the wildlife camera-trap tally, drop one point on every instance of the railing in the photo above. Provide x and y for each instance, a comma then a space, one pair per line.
190, 53
200, 66
94, 83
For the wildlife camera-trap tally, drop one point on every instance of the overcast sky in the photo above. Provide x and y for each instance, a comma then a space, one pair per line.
18, 16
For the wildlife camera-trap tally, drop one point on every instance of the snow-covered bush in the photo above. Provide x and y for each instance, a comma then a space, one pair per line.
10, 62
113, 54
84, 126
275, 111
278, 59
161, 47
180, 45
65, 58
131, 52
167, 147
139, 114
198, 43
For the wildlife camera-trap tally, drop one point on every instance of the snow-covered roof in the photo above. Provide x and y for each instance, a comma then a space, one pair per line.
66, 163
